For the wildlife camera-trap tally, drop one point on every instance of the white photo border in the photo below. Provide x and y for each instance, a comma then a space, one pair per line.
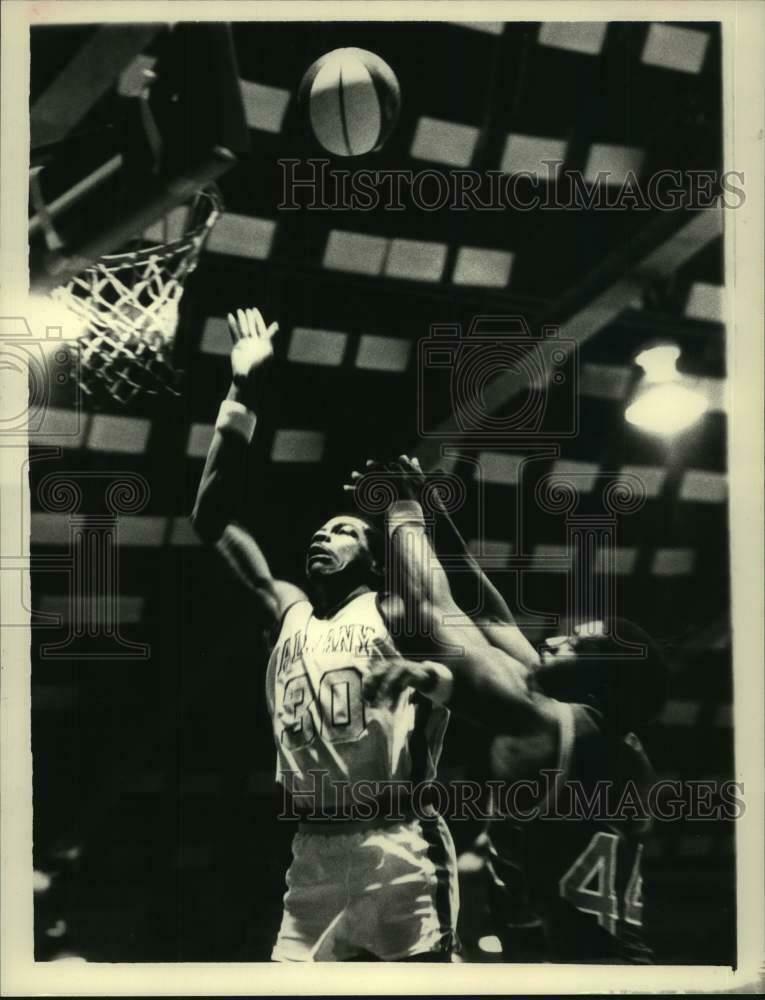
743, 24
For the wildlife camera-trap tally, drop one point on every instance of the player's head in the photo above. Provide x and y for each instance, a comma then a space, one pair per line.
346, 544
613, 665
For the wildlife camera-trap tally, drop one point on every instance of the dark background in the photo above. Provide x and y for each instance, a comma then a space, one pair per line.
154, 803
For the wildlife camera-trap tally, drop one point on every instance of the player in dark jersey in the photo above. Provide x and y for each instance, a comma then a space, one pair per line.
574, 871
565, 729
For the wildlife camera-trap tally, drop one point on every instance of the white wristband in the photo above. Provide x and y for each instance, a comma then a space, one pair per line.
403, 512
233, 416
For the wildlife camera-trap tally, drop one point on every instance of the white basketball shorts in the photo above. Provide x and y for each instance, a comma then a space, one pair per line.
377, 892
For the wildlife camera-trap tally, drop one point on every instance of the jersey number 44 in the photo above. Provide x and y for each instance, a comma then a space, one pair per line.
590, 883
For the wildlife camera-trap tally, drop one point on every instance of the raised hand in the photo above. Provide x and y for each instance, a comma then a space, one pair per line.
371, 466
412, 478
252, 343
404, 474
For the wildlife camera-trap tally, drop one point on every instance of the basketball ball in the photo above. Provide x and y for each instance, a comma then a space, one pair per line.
352, 99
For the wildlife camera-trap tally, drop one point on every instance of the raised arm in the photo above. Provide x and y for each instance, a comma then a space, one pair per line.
465, 577
218, 510
489, 686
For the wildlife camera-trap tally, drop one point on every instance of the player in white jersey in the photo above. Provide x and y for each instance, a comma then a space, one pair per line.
371, 878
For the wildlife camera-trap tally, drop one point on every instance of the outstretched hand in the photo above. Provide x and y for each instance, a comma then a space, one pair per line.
404, 473
252, 344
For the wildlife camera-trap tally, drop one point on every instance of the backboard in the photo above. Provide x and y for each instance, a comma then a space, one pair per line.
127, 122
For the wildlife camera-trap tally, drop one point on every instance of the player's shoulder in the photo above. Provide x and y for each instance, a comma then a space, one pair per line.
290, 600
288, 596
593, 726
566, 736
588, 731
597, 749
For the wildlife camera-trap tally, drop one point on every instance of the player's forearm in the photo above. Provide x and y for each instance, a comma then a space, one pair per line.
222, 487
490, 687
415, 572
468, 581
487, 687
466, 578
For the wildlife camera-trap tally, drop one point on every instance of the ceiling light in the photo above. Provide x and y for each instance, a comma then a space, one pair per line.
666, 409
659, 362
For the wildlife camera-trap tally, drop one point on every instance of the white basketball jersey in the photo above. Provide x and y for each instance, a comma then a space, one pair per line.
322, 723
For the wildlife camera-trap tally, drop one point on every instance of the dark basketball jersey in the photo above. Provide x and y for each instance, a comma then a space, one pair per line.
575, 867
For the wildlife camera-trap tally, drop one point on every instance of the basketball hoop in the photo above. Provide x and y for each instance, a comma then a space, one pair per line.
129, 303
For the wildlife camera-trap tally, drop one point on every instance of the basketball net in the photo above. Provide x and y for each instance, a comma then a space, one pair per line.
129, 304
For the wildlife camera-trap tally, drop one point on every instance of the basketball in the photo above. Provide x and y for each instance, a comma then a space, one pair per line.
352, 98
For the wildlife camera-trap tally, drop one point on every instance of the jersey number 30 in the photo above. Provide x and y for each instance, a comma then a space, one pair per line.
590, 883
340, 709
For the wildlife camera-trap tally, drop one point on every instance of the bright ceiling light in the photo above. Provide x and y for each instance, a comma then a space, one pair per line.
659, 362
666, 409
